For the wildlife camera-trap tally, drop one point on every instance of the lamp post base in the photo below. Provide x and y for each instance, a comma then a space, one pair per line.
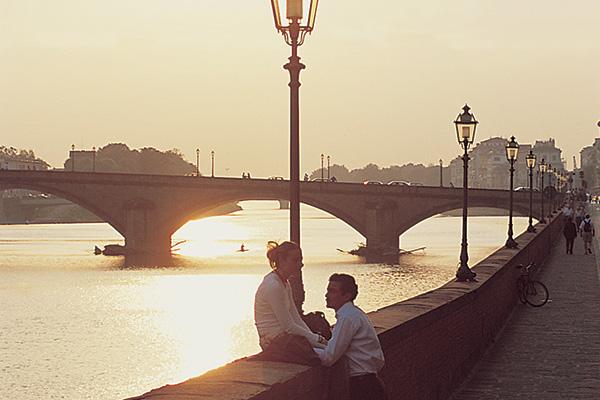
464, 274
531, 229
511, 244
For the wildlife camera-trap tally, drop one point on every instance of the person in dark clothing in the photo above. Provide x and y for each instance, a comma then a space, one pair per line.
570, 232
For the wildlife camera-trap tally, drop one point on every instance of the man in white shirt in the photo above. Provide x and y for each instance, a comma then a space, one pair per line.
567, 211
354, 337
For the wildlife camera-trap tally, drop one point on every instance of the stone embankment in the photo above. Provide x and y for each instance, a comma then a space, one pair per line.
553, 352
431, 342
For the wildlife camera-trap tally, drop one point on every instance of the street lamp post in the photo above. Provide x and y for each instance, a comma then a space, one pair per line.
322, 168
556, 186
441, 173
197, 162
551, 205
212, 163
512, 151
543, 168
530, 165
552, 184
72, 157
465, 125
294, 34
328, 169
570, 181
94, 159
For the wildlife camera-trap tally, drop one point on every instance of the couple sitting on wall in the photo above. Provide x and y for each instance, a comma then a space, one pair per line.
284, 335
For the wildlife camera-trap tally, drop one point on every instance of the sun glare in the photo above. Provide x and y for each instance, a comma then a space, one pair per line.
210, 237
178, 300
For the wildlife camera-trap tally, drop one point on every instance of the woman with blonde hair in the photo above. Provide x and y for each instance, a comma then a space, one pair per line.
283, 335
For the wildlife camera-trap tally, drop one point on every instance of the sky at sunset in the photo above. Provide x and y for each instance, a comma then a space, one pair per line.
383, 83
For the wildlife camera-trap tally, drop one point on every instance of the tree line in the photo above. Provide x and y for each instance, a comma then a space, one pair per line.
416, 173
12, 153
118, 157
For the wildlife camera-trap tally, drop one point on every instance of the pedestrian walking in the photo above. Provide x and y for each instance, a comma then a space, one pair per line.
587, 233
567, 211
579, 214
570, 232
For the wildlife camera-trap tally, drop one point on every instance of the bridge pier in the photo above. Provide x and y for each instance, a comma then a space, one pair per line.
381, 230
143, 232
284, 204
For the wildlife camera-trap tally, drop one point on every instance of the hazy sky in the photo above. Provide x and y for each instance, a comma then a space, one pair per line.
383, 83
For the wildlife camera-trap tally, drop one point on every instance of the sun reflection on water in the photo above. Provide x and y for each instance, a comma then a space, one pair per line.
183, 317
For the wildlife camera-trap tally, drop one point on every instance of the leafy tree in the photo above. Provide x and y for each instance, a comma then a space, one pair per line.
118, 157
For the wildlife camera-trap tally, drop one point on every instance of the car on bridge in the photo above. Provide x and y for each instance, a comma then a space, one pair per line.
276, 178
525, 189
372, 183
398, 183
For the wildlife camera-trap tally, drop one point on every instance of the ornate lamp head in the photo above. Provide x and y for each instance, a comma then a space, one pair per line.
295, 13
512, 149
465, 124
530, 160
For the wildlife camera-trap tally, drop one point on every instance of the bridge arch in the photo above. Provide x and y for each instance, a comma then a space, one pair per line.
70, 196
332, 209
419, 216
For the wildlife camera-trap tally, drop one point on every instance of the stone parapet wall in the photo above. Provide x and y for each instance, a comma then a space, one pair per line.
430, 341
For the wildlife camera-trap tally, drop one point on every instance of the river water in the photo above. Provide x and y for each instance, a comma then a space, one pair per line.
78, 326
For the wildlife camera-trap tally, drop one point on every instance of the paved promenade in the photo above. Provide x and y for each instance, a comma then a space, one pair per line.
551, 352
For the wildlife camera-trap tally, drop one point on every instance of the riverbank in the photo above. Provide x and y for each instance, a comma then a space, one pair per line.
480, 212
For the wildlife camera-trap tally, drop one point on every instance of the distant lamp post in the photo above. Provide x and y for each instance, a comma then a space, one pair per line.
555, 173
197, 162
550, 184
543, 168
94, 159
441, 173
512, 151
465, 124
328, 169
530, 165
322, 168
212, 163
72, 156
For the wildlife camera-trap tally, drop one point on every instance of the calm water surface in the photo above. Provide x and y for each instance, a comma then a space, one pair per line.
78, 326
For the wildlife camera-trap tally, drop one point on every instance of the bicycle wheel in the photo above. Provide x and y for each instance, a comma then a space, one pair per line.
536, 294
521, 290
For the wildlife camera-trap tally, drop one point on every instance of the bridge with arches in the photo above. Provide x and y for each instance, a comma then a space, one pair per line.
147, 209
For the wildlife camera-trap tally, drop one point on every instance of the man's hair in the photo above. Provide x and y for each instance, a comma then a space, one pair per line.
347, 284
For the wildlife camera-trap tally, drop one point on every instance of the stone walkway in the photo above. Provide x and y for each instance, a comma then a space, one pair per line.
551, 352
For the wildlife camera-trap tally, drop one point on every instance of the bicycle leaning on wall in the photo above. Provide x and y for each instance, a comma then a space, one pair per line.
530, 291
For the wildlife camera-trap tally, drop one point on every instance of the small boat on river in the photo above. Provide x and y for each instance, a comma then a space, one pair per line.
363, 251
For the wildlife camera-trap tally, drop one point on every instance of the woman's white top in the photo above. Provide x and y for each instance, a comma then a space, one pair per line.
275, 312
